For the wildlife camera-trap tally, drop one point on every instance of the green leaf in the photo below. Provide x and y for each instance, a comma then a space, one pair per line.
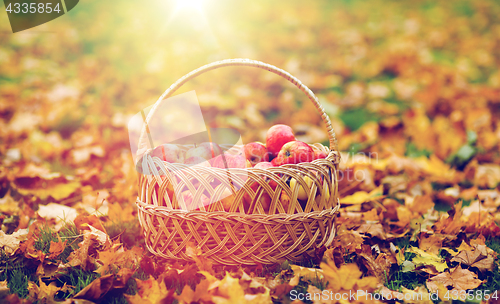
471, 137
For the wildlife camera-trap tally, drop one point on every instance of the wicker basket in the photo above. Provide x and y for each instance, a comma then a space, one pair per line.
266, 224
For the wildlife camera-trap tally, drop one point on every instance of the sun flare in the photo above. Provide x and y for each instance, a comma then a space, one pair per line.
189, 4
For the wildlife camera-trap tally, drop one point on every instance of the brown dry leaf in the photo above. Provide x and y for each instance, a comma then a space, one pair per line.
231, 290
60, 214
348, 239
487, 176
118, 214
101, 237
10, 242
374, 230
83, 222
83, 154
45, 293
477, 257
310, 274
347, 277
150, 291
421, 204
404, 215
464, 246
458, 278
450, 225
190, 296
39, 182
94, 202
81, 257
97, 289
56, 248
380, 266
417, 126
431, 243
118, 257
8, 205
479, 240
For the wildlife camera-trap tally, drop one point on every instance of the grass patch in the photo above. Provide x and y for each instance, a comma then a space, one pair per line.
129, 233
355, 118
413, 151
77, 278
68, 234
349, 257
17, 281
18, 272
493, 280
397, 279
301, 288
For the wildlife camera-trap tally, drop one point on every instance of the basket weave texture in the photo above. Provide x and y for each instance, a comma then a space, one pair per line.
268, 220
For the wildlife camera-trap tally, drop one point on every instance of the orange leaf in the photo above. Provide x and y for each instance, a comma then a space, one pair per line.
458, 278
117, 214
56, 248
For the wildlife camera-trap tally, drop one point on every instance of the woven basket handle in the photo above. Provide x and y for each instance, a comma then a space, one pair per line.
251, 63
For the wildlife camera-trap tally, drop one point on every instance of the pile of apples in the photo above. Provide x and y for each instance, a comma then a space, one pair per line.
281, 148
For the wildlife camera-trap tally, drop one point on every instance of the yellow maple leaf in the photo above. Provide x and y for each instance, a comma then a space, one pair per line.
8, 205
404, 215
310, 274
346, 277
189, 295
45, 293
424, 258
436, 167
149, 292
229, 290
118, 214
362, 197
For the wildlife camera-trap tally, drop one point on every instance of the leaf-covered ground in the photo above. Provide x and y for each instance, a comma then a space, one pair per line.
413, 91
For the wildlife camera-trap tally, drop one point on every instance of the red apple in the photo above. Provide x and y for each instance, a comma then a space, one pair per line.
202, 152
264, 165
226, 160
170, 153
277, 136
319, 154
256, 153
196, 160
294, 152
215, 149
